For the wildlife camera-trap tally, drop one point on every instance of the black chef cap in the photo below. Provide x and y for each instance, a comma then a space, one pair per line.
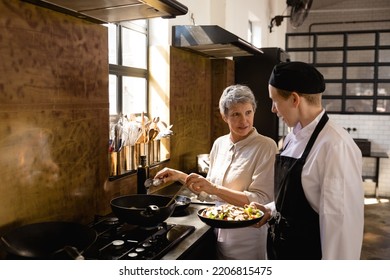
297, 76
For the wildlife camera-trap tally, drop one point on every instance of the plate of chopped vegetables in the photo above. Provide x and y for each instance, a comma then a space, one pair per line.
230, 216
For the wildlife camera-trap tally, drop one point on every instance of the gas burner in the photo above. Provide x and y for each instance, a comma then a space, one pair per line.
117, 240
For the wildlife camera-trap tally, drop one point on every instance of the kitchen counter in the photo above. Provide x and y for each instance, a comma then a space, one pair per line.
197, 239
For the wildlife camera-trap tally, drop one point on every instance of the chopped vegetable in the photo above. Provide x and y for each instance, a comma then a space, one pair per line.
229, 212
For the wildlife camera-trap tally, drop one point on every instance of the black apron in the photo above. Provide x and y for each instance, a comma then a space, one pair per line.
295, 231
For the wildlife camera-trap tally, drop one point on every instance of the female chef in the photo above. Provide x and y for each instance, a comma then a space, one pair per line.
319, 198
241, 171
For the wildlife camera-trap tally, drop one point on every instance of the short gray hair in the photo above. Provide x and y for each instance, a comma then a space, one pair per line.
235, 94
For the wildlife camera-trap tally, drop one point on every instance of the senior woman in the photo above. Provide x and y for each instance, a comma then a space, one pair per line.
241, 171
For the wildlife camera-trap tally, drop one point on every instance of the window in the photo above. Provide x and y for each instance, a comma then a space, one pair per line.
128, 89
128, 59
355, 64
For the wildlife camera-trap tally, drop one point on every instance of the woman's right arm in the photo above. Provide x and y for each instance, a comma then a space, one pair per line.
171, 175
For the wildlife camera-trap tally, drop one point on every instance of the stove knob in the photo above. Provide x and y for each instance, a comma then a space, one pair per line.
153, 240
133, 255
118, 243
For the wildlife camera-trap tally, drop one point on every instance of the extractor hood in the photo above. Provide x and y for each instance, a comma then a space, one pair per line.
106, 11
211, 41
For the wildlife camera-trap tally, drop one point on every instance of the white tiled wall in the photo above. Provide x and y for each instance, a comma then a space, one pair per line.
377, 130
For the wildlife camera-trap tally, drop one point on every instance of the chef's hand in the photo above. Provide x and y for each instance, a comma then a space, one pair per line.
171, 175
267, 213
197, 183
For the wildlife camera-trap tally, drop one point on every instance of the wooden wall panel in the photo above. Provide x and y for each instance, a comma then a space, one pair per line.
223, 76
197, 83
53, 116
190, 107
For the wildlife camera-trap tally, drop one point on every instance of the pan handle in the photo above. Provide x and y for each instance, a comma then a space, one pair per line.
68, 251
174, 197
73, 253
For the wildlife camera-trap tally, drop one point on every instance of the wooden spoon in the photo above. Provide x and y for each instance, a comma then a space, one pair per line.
152, 134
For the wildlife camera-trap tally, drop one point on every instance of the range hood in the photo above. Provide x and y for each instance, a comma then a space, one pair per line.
111, 11
211, 41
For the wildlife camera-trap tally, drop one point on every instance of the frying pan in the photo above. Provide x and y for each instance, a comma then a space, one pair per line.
182, 202
48, 240
142, 209
227, 224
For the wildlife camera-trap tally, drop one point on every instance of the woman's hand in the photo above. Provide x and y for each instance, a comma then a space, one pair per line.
265, 210
170, 175
197, 183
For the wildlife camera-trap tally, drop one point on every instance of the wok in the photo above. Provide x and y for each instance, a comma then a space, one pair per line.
142, 209
48, 240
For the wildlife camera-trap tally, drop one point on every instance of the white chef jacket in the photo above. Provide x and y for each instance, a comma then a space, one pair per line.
332, 182
247, 166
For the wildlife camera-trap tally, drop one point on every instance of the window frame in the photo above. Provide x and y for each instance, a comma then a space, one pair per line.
314, 48
121, 71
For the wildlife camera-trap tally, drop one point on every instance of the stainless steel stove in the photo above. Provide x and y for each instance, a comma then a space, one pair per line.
122, 241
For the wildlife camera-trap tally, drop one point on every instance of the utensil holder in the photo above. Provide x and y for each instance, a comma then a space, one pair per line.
113, 160
150, 152
130, 160
121, 163
127, 158
165, 148
156, 150
137, 154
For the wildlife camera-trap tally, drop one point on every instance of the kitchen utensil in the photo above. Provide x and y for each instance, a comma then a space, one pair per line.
134, 132
150, 182
155, 121
218, 223
182, 203
138, 210
203, 163
176, 194
152, 134
47, 240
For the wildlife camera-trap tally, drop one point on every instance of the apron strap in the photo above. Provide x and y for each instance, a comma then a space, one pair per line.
324, 119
